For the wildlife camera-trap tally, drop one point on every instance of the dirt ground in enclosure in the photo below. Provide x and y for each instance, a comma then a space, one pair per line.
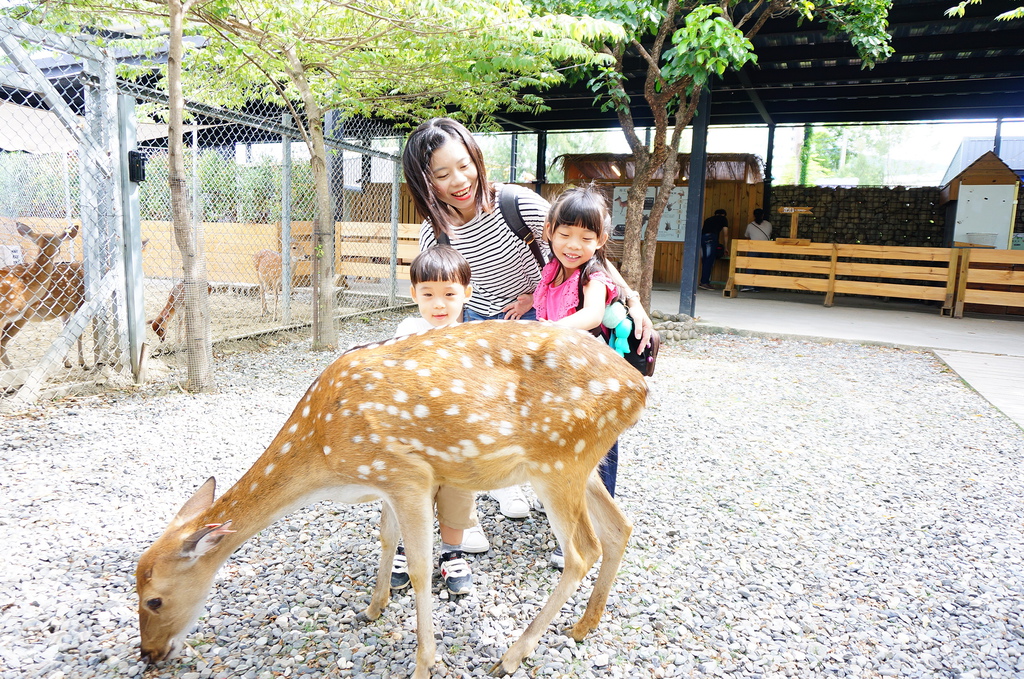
234, 312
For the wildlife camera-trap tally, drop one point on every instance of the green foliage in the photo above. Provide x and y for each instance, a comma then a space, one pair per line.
961, 9
708, 43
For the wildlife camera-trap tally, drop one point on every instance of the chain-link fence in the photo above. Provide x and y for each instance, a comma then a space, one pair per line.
61, 217
252, 196
70, 211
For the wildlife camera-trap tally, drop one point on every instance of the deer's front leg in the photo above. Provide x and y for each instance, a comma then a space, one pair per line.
414, 511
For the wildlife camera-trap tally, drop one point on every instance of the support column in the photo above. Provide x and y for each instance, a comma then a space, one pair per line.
695, 204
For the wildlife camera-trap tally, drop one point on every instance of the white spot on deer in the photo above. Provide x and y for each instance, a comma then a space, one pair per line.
401, 396
421, 410
580, 445
268, 469
253, 487
505, 428
410, 364
596, 387
527, 362
554, 435
377, 375
613, 384
357, 376
576, 393
483, 343
545, 468
524, 411
363, 471
551, 360
532, 346
579, 413
458, 387
469, 448
466, 363
488, 391
485, 439
474, 418
452, 410
389, 363
443, 353
329, 416
294, 428
379, 465
392, 410
565, 415
405, 415
578, 361
423, 372
369, 386
435, 392
285, 447
488, 361
327, 450
559, 465
357, 438
510, 391
613, 415
506, 355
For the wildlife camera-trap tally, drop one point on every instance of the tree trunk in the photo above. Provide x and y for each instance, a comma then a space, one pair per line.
325, 334
193, 263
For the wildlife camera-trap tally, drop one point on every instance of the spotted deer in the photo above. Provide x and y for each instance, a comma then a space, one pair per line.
161, 325
269, 272
479, 406
24, 287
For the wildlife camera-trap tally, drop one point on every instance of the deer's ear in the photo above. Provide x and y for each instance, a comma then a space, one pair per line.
72, 232
205, 539
199, 502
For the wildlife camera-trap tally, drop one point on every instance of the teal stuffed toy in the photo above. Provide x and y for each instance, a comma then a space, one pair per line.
617, 320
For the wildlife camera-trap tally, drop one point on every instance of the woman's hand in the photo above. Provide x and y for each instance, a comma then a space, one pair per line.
518, 308
643, 327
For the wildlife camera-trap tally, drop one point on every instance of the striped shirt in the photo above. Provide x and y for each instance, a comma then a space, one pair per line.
502, 265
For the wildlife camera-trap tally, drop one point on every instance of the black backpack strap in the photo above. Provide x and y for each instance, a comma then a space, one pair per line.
509, 207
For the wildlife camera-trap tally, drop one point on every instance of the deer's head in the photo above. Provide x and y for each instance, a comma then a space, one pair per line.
174, 576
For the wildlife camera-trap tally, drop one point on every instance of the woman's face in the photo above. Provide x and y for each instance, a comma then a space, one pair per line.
454, 177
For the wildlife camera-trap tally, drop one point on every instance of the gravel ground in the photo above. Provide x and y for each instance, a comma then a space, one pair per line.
800, 509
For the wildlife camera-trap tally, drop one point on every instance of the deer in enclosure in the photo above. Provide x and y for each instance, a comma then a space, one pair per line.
162, 323
478, 406
24, 287
269, 271
65, 296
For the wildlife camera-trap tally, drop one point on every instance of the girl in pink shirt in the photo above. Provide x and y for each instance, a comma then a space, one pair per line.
577, 228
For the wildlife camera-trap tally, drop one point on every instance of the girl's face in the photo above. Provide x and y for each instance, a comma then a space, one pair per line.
574, 245
454, 178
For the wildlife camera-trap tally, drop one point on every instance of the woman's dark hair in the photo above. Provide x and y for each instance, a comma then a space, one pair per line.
419, 150
439, 263
586, 207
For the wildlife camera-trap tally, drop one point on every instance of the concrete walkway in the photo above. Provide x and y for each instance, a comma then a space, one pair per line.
986, 351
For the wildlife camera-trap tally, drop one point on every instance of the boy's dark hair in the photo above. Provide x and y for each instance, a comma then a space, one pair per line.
439, 263
758, 215
587, 207
419, 149
720, 211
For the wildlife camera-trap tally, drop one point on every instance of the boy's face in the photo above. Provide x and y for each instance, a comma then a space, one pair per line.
441, 302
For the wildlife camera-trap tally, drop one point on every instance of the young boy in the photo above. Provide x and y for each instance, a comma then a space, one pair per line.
439, 279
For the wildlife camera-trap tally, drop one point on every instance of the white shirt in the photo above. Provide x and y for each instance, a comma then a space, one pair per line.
762, 231
412, 325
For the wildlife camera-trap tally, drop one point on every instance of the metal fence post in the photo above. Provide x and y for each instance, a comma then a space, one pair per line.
132, 234
286, 222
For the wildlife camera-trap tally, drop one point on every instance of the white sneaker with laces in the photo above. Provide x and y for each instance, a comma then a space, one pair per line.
474, 541
511, 502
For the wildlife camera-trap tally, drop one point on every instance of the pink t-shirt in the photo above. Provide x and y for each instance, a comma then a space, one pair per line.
555, 302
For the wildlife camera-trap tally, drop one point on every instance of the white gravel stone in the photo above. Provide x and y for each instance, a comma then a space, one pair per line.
800, 509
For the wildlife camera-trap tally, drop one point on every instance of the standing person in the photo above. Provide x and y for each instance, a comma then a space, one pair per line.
759, 229
447, 178
440, 286
577, 229
710, 238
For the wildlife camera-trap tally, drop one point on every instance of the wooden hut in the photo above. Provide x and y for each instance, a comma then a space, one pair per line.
981, 204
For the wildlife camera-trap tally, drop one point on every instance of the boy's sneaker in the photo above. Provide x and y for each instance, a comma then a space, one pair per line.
538, 506
511, 502
474, 541
400, 570
557, 558
455, 572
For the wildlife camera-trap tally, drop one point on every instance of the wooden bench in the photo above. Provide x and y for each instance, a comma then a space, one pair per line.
999, 275
905, 272
364, 249
758, 263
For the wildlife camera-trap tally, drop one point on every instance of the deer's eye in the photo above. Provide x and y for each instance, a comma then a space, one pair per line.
154, 604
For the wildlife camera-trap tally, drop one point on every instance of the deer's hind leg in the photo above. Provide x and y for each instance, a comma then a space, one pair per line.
389, 535
613, 531
567, 512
